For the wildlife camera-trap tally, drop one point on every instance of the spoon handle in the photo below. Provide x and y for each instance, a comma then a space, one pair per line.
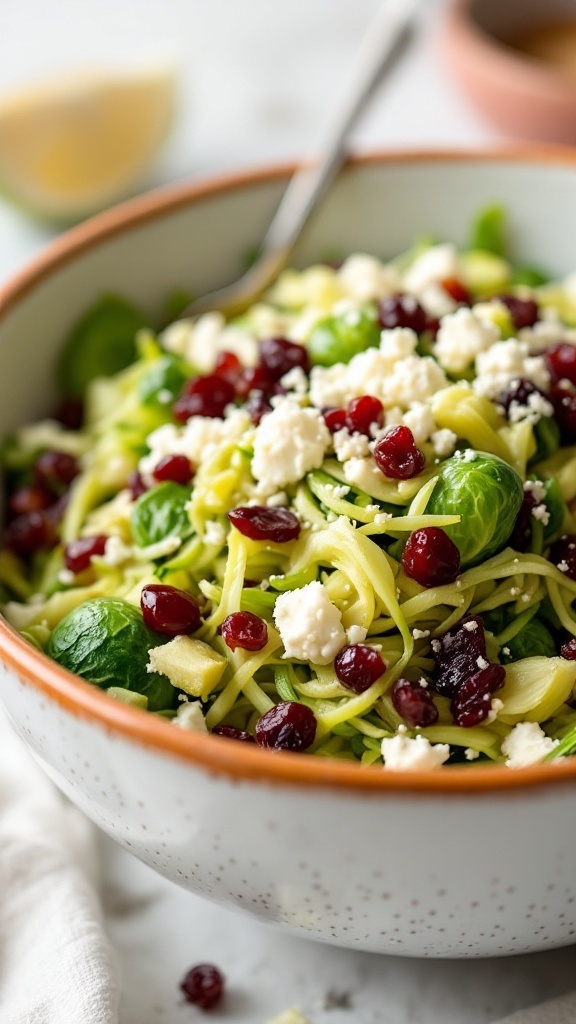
379, 51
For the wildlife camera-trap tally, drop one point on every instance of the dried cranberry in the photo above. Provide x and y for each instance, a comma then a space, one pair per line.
471, 702
430, 557
30, 499
524, 312
561, 362
204, 396
457, 654
287, 726
255, 379
70, 413
563, 553
231, 733
56, 469
168, 610
414, 703
136, 485
258, 522
335, 419
563, 398
228, 366
203, 986
457, 291
364, 415
245, 630
402, 310
257, 405
79, 553
397, 456
279, 356
568, 650
176, 468
34, 531
357, 666
519, 392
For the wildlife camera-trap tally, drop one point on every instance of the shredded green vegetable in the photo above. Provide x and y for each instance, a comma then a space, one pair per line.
419, 609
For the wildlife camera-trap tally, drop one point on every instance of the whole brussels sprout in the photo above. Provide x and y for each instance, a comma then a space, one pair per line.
105, 641
487, 493
337, 338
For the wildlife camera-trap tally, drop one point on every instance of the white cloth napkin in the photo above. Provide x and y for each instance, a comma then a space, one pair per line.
56, 965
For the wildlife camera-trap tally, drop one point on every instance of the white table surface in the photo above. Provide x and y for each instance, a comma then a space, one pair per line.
257, 76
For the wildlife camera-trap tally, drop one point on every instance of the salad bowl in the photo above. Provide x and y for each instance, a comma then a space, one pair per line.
463, 862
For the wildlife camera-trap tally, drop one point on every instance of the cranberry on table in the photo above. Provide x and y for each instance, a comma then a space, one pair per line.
287, 726
524, 312
568, 650
79, 553
231, 733
414, 703
563, 555
472, 700
245, 630
56, 469
258, 522
335, 419
203, 986
176, 468
561, 362
397, 456
357, 666
278, 356
457, 291
402, 310
34, 498
430, 557
34, 531
168, 610
364, 414
204, 396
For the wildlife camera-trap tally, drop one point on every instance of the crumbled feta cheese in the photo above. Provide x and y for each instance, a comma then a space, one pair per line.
435, 264
398, 342
363, 473
526, 744
197, 440
547, 331
350, 446
532, 411
356, 634
328, 386
295, 380
443, 442
541, 514
65, 576
401, 753
504, 362
310, 626
420, 421
189, 716
420, 634
496, 706
289, 442
470, 626
201, 340
365, 278
410, 380
470, 754
536, 488
436, 646
382, 517
337, 490
214, 533
461, 337
563, 565
482, 663
436, 301
506, 651
116, 552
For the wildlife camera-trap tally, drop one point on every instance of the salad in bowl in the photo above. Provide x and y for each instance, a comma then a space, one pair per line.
340, 524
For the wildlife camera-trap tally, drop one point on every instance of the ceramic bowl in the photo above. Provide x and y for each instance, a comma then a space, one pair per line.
527, 98
460, 862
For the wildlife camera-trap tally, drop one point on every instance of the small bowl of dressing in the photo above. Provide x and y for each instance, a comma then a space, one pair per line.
516, 60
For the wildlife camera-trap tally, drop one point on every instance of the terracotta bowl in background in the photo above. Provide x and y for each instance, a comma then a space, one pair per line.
465, 861
526, 96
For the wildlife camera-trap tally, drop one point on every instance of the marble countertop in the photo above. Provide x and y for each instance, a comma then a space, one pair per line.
257, 77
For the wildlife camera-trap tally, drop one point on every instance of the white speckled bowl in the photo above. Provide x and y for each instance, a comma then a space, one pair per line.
459, 862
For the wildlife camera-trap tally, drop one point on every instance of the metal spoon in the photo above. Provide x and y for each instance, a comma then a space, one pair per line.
378, 53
